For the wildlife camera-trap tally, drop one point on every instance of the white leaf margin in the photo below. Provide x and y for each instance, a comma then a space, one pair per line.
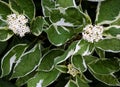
32, 50
11, 60
106, 21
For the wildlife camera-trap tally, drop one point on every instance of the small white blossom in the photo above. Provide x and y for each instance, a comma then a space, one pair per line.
72, 70
18, 24
92, 33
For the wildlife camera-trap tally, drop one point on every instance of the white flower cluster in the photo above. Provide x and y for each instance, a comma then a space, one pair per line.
17, 23
72, 70
92, 33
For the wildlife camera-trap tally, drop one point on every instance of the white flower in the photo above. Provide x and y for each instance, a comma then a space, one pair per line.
72, 70
18, 24
92, 33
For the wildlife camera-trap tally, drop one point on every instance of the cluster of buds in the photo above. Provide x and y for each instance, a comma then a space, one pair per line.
92, 33
72, 71
18, 24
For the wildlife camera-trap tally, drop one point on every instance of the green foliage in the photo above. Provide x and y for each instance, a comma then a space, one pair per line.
47, 62
43, 79
37, 26
56, 40
4, 10
79, 63
11, 57
23, 80
71, 83
108, 79
108, 11
58, 35
27, 62
47, 5
81, 82
5, 34
112, 31
67, 4
27, 7
104, 66
113, 45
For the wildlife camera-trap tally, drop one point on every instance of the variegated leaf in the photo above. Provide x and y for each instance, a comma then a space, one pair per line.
47, 62
71, 83
110, 45
11, 57
108, 11
43, 79
5, 34
58, 35
28, 62
26, 7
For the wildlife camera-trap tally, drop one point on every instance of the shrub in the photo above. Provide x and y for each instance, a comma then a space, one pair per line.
71, 43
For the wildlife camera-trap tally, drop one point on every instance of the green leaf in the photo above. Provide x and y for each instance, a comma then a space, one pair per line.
96, 0
28, 62
43, 79
68, 53
116, 22
58, 35
56, 15
4, 10
113, 31
74, 16
47, 5
27, 7
2, 23
89, 59
15, 6
62, 68
73, 50
84, 48
108, 11
23, 80
71, 17
37, 26
65, 3
47, 62
110, 45
81, 82
71, 83
79, 63
108, 79
83, 78
5, 34
104, 66
11, 57
100, 52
